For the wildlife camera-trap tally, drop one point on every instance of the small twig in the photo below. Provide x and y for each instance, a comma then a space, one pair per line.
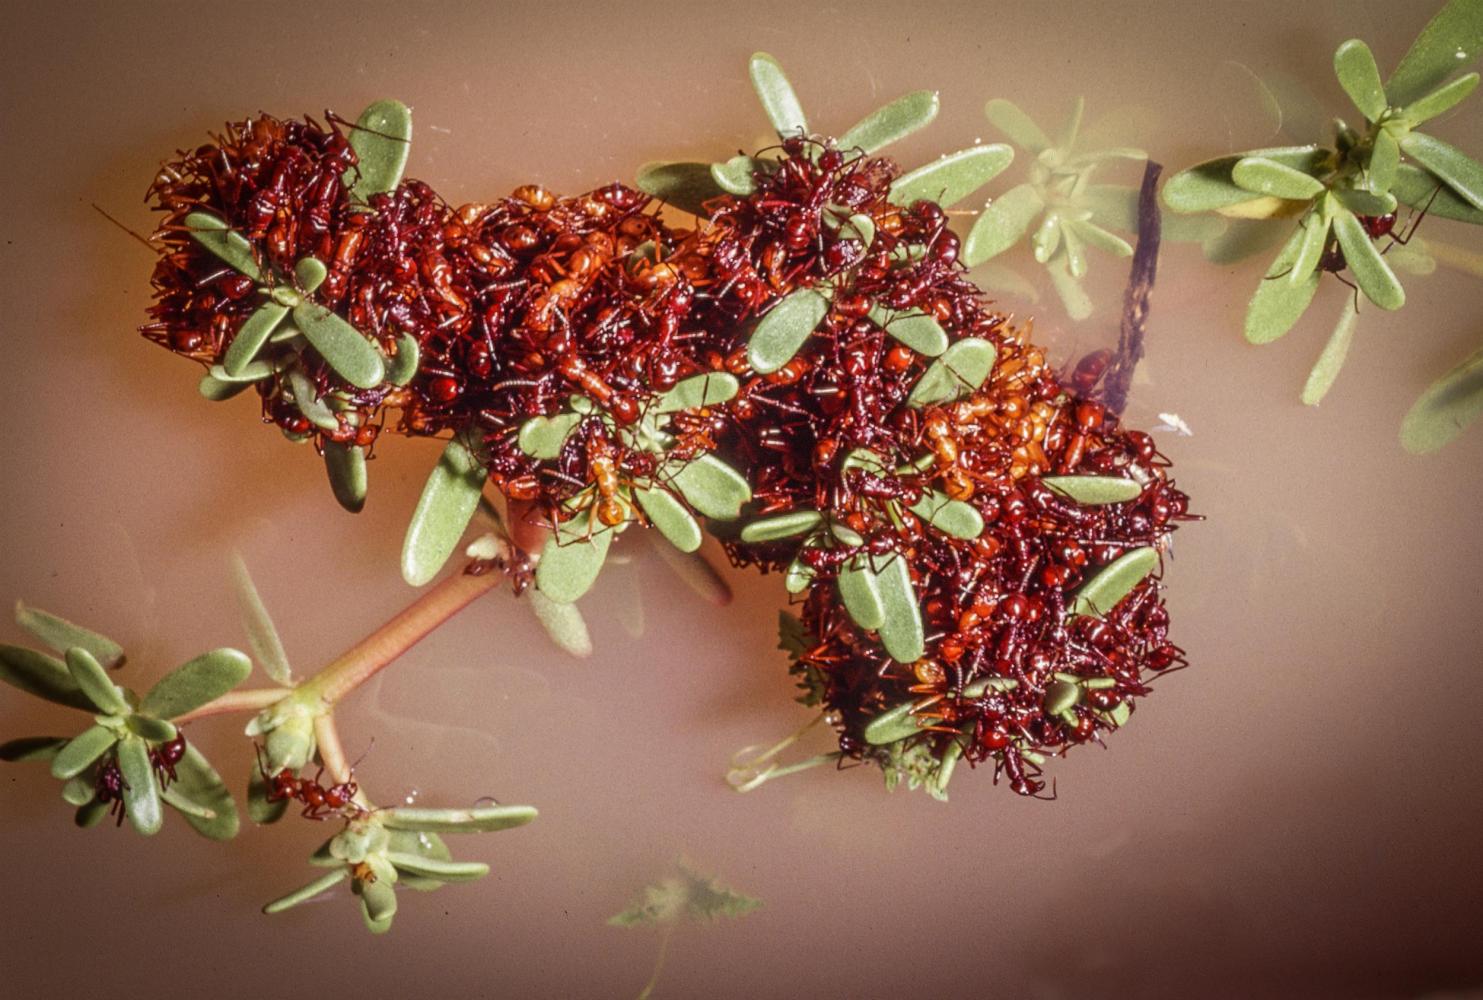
1141, 277
647, 991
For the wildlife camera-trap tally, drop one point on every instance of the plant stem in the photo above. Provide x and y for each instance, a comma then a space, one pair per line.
669, 932
331, 750
250, 700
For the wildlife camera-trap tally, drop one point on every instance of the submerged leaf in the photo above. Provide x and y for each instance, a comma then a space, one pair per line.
782, 332
1001, 224
563, 623
1113, 582
776, 94
571, 560
1447, 406
896, 120
61, 635
1008, 118
262, 635
950, 179
444, 510
1321, 378
382, 140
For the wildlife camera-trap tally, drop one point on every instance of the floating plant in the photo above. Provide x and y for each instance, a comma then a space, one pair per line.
1348, 198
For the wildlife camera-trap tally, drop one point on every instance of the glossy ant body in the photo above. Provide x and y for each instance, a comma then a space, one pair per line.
319, 802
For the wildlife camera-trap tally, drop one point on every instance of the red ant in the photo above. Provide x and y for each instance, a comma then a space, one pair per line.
164, 757
110, 786
319, 802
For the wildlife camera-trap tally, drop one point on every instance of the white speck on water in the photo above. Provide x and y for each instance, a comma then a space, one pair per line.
1174, 422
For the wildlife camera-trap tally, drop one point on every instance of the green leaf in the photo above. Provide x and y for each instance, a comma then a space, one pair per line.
1385, 158
901, 626
309, 274
1073, 297
1374, 276
950, 179
712, 487
1115, 206
251, 336
345, 464
686, 186
306, 399
896, 120
671, 517
858, 589
32, 748
262, 635
1113, 582
736, 175
780, 526
563, 623
782, 332
1007, 117
571, 560
1099, 238
382, 139
1362, 202
259, 809
41, 675
402, 366
253, 372
1209, 186
482, 819
1277, 303
710, 389
1451, 40
894, 724
914, 328
80, 752
1245, 238
79, 790
1354, 65
90, 814
448, 501
1001, 224
231, 246
1076, 263
1268, 177
198, 782
798, 577
446, 871
958, 372
152, 729
1315, 226
1046, 239
543, 437
1441, 100
691, 894
218, 390
141, 793
175, 799
707, 900
1447, 406
1332, 359
1095, 490
1419, 189
61, 635
1463, 174
776, 94
196, 682
318, 887
949, 516
343, 347
94, 682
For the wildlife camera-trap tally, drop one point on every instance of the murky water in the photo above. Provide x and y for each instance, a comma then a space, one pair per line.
1299, 814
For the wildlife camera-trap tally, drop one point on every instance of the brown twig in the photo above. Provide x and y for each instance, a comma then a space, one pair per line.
1141, 277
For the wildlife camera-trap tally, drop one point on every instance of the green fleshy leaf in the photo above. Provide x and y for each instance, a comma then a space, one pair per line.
1385, 159
1463, 174
571, 560
1450, 40
218, 390
1362, 202
1077, 302
894, 724
482, 819
937, 781
152, 729
1441, 100
26, 748
958, 372
1268, 177
1094, 490
1061, 696
175, 799
1002, 224
671, 517
776, 94
709, 900
858, 589
80, 752
345, 464
1046, 239
306, 399
782, 332
1113, 582
141, 792
259, 809
253, 372
309, 274
1098, 238
196, 682
445, 871
444, 510
1208, 186
93, 681
950, 179
252, 335
318, 887
896, 120
857, 227
798, 577
691, 894
1076, 262
949, 516
1278, 303
1421, 190
382, 140
710, 389
199, 783
231, 246
901, 626
1413, 259
90, 814
1007, 117
712, 487
914, 328
262, 635
1354, 65
41, 675
780, 526
79, 790
686, 186
542, 437
1115, 206
1373, 275
61, 635
1315, 226
343, 347
563, 623
1321, 378
401, 367
1245, 238
1447, 406
736, 175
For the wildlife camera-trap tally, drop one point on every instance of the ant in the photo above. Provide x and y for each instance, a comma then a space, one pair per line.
1333, 261
319, 802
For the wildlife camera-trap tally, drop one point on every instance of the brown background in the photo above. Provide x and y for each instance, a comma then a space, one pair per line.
1299, 814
